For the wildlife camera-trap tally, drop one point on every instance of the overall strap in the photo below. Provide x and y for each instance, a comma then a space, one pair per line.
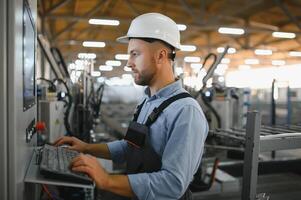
158, 110
138, 110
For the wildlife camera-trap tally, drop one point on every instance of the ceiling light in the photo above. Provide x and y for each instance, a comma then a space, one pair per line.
222, 66
122, 56
234, 31
244, 67
71, 66
225, 61
284, 35
187, 47
127, 76
192, 59
113, 62
251, 61
79, 62
104, 22
86, 55
278, 62
221, 79
105, 68
222, 49
95, 73
196, 65
94, 44
295, 53
127, 69
264, 52
181, 27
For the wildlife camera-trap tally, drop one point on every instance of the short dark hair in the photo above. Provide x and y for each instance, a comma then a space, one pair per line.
171, 55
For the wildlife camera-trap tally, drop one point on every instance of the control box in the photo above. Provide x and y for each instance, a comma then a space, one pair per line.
52, 113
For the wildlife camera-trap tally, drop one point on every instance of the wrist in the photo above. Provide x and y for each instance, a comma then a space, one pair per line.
86, 148
104, 182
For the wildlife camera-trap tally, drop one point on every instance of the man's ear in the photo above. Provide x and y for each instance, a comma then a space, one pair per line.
162, 55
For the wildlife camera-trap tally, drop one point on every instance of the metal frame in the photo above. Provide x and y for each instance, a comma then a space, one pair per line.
3, 100
256, 144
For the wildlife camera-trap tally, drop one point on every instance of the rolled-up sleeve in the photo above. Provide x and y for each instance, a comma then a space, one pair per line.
117, 150
180, 160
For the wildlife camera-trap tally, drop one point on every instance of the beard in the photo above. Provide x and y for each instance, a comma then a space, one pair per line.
143, 78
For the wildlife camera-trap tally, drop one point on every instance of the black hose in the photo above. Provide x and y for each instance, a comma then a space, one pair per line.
216, 115
204, 64
52, 87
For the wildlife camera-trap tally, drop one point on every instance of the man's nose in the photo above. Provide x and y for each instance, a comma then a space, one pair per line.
129, 64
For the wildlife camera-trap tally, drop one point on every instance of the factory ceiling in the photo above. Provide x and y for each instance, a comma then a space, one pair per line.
66, 25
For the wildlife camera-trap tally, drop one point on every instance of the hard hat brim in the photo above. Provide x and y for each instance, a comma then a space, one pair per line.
126, 39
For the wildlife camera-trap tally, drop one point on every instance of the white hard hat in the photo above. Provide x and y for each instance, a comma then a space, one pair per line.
156, 26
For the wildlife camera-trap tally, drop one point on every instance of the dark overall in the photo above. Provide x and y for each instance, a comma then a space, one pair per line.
144, 158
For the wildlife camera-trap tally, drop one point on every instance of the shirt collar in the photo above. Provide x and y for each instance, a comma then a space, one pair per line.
166, 91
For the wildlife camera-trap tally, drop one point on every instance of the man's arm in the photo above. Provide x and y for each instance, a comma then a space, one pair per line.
119, 184
98, 150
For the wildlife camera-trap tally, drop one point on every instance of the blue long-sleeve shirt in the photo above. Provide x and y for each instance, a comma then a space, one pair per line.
178, 136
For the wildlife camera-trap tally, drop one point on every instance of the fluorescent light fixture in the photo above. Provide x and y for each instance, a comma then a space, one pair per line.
295, 53
95, 73
72, 66
113, 62
278, 62
79, 67
86, 55
192, 59
222, 66
94, 44
283, 35
263, 52
244, 67
221, 79
108, 22
105, 68
187, 47
122, 56
251, 61
127, 69
127, 76
231, 50
196, 65
225, 61
79, 62
181, 27
233, 31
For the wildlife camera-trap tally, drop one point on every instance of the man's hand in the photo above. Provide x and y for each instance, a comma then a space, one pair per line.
75, 144
90, 165
118, 184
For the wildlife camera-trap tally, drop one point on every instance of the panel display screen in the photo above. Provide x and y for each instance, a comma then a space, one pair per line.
29, 38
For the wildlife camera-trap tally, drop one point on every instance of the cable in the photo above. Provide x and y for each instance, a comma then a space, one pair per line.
203, 66
53, 87
47, 191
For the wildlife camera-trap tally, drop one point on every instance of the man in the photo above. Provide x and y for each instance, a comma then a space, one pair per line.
163, 166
